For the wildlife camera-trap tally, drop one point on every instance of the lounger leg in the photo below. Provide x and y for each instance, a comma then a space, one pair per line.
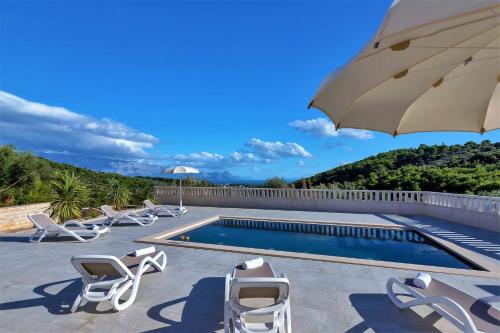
115, 300
38, 236
227, 316
288, 317
77, 303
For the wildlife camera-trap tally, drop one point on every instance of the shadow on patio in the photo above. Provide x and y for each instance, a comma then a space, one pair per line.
203, 310
58, 303
380, 315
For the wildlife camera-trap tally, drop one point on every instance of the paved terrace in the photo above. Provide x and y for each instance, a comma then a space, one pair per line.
38, 284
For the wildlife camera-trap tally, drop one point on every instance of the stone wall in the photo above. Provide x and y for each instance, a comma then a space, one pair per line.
15, 218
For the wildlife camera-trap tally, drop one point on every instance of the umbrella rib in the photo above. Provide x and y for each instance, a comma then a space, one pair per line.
455, 47
449, 64
450, 78
419, 62
490, 9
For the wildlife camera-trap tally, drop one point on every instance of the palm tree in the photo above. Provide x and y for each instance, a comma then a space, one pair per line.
69, 194
118, 194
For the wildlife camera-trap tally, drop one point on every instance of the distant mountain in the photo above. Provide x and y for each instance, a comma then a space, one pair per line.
220, 178
468, 168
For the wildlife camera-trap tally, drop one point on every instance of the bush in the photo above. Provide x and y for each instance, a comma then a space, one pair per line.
275, 182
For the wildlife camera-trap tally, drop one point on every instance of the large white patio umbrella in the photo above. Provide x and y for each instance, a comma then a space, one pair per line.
181, 170
432, 66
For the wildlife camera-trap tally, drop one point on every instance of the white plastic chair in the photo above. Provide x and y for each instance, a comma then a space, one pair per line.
113, 217
159, 209
47, 227
115, 276
256, 301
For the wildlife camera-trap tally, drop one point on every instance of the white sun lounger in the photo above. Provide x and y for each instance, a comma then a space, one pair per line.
47, 227
469, 314
256, 301
162, 209
115, 217
115, 276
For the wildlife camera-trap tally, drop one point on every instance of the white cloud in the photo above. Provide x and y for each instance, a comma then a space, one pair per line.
255, 151
199, 157
41, 127
322, 127
244, 157
277, 149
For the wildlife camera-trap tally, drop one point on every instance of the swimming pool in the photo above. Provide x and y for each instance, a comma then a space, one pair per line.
362, 242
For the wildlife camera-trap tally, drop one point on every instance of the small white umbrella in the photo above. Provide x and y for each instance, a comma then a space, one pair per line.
432, 66
181, 170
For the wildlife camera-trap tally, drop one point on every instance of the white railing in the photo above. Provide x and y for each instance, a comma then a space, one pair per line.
482, 204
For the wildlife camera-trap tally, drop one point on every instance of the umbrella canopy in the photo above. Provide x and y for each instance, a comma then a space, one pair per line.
181, 170
432, 66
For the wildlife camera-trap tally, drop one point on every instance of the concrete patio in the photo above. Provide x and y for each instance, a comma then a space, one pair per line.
38, 284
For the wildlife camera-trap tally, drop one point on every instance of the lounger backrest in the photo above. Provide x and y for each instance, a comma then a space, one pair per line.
97, 266
108, 211
275, 288
42, 222
149, 204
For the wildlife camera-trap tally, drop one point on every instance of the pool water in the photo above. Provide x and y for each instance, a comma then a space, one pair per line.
396, 245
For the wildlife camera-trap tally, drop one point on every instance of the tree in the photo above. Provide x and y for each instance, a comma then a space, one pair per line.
69, 195
275, 182
118, 194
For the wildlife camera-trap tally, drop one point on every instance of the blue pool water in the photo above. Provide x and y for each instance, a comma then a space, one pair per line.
406, 246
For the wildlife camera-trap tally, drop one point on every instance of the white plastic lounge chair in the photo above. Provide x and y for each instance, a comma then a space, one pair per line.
162, 209
108, 277
115, 217
257, 301
47, 227
466, 312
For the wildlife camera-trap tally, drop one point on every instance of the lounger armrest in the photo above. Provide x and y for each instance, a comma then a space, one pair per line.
228, 287
150, 261
72, 222
77, 223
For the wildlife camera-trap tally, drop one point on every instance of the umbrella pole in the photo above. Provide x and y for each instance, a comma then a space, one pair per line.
180, 194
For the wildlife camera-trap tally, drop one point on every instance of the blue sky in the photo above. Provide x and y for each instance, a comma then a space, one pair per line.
133, 86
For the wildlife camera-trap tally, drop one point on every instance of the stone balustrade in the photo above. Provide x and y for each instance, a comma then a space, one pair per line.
478, 211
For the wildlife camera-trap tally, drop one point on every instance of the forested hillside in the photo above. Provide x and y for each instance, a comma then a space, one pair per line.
25, 178
469, 168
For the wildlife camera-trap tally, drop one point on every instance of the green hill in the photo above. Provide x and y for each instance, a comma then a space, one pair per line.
25, 178
469, 168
